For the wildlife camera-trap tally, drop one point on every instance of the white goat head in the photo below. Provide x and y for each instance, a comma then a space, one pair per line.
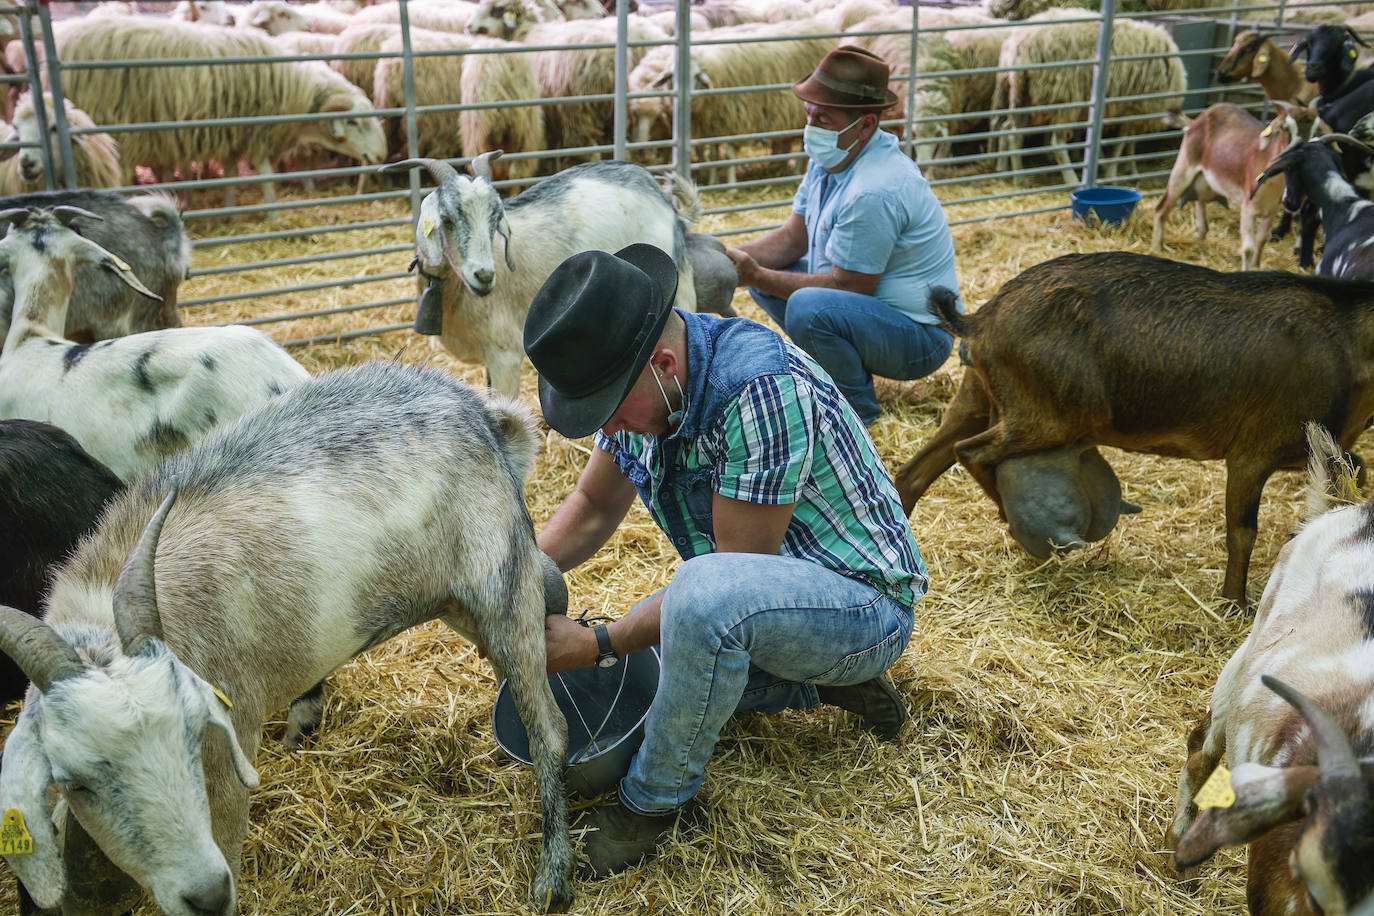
118, 727
458, 221
1333, 802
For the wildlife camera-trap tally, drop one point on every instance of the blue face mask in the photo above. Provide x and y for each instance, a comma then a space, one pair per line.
822, 145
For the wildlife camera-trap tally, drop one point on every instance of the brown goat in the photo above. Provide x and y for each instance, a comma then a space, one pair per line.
1148, 355
1301, 787
1254, 56
1223, 149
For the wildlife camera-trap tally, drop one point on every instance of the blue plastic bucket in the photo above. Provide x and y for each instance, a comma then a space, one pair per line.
1108, 204
605, 709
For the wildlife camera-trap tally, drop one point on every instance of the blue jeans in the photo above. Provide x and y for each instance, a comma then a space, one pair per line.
747, 632
855, 337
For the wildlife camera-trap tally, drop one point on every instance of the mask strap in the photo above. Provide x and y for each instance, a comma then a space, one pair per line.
674, 416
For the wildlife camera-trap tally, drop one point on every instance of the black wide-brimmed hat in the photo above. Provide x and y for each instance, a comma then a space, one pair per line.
848, 77
591, 329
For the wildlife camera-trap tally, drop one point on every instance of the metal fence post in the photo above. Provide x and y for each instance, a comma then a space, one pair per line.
682, 86
59, 107
1099, 104
621, 119
911, 82
412, 117
36, 89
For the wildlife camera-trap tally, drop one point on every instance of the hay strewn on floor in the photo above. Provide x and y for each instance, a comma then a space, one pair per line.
1049, 701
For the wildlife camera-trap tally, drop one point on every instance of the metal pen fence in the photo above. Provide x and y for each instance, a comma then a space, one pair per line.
967, 166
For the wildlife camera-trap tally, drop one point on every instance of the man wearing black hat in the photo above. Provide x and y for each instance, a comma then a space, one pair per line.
848, 274
800, 569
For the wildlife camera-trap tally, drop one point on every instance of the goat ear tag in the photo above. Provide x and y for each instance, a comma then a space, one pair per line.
427, 226
15, 839
1216, 792
222, 698
1262, 59
119, 262
1267, 131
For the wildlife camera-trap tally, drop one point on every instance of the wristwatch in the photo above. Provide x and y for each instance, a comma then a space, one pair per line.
606, 656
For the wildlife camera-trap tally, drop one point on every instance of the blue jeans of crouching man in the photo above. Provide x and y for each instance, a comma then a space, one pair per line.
747, 632
855, 337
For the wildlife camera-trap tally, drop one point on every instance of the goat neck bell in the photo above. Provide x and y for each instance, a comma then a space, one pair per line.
848, 77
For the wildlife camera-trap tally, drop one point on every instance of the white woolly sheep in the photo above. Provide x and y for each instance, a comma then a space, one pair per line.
96, 156
595, 205
293, 43
722, 66
208, 12
1051, 41
362, 38
130, 401
479, 78
579, 71
439, 15
141, 95
351, 508
276, 17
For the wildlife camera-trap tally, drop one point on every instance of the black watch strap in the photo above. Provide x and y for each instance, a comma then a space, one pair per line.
605, 652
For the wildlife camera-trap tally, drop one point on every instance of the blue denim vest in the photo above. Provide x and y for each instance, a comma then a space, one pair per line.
723, 355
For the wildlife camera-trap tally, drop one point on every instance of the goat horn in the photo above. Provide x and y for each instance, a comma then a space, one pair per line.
65, 215
440, 169
1328, 139
135, 593
37, 649
1335, 755
481, 165
1302, 45
13, 215
1356, 35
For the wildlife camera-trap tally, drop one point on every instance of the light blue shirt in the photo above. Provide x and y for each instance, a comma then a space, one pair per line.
879, 216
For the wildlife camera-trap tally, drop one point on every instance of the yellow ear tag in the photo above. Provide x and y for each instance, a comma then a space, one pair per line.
1216, 792
222, 698
1262, 59
427, 226
1269, 129
119, 263
15, 839
1354, 53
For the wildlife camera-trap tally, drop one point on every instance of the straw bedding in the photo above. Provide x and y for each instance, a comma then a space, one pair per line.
1049, 702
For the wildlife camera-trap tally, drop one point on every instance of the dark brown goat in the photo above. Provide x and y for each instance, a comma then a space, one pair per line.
1151, 355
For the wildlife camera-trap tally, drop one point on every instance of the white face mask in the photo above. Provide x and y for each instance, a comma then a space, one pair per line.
822, 145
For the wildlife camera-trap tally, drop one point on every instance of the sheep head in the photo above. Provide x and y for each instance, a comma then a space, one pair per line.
458, 221
118, 727
359, 136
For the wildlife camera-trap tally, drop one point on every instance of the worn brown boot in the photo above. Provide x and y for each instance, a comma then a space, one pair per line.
874, 701
620, 838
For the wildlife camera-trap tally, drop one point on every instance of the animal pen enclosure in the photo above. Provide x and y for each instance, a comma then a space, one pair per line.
1049, 701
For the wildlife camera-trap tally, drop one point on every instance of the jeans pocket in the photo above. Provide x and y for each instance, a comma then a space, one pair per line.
867, 664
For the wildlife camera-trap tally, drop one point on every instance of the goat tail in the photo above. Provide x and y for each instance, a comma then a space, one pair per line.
682, 193
516, 430
945, 302
1331, 473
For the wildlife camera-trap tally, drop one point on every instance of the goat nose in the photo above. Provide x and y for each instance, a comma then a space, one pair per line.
214, 897
484, 276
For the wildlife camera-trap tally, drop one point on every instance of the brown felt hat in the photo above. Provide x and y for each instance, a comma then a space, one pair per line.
848, 77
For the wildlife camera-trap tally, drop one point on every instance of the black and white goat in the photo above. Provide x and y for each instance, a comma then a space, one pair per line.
1302, 751
129, 401
484, 298
351, 508
1312, 173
